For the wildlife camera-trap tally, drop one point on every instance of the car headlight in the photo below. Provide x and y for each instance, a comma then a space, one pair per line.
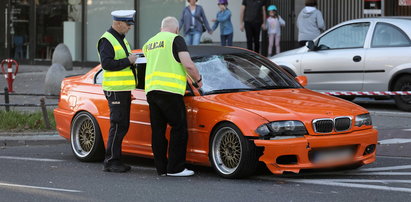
282, 128
363, 119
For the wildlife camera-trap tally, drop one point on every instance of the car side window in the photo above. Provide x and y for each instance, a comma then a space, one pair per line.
388, 35
346, 36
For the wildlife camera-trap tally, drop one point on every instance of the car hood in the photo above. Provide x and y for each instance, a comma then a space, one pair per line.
288, 104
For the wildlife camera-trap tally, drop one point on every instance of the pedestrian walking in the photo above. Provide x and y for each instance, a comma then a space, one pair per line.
119, 78
310, 22
194, 22
252, 19
274, 24
168, 64
224, 20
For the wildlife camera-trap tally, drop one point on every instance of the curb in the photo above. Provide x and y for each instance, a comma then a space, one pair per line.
24, 139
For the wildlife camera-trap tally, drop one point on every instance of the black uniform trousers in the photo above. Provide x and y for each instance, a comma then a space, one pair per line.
119, 103
168, 108
252, 33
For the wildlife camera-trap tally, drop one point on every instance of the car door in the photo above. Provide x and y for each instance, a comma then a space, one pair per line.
390, 47
337, 63
138, 138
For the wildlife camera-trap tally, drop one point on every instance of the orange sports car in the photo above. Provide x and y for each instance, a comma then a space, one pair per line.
248, 110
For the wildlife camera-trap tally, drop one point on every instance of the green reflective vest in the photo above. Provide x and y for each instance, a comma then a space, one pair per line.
122, 80
163, 72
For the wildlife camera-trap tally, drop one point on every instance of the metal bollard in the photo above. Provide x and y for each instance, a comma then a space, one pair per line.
45, 115
6, 98
10, 75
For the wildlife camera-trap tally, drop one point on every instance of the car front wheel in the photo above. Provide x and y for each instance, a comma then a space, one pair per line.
86, 141
231, 154
403, 101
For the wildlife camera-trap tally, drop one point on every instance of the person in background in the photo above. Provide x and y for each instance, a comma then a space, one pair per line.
252, 19
193, 21
224, 20
168, 65
310, 22
119, 79
274, 23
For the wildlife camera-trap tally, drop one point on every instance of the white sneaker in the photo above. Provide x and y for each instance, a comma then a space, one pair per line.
183, 173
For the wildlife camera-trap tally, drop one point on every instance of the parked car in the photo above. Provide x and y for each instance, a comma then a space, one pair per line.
248, 110
370, 54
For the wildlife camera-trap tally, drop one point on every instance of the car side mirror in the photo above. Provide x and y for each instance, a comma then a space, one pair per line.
302, 80
310, 45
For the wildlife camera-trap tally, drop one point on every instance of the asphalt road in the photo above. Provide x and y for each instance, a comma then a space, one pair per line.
51, 173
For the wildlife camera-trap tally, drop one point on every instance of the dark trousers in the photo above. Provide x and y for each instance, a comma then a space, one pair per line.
119, 103
227, 40
252, 33
168, 108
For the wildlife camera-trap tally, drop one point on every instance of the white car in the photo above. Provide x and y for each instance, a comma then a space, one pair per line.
370, 54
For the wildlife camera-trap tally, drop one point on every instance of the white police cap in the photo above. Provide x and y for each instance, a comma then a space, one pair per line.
124, 15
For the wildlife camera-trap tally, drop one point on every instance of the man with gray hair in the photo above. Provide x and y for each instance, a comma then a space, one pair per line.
168, 64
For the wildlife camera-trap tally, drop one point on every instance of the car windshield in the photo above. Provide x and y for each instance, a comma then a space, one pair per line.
240, 72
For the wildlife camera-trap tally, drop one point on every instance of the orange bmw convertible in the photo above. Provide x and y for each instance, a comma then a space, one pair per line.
248, 110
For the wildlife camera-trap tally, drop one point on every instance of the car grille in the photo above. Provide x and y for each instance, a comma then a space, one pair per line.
338, 124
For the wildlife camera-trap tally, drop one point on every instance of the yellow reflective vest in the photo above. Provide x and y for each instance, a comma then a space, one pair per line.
163, 72
122, 80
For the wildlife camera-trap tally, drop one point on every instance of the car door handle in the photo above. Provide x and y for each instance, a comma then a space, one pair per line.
356, 58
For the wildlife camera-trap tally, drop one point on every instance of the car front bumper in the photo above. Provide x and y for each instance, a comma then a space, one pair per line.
299, 150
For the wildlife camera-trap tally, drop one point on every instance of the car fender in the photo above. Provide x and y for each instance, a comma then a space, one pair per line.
216, 113
397, 72
289, 67
88, 106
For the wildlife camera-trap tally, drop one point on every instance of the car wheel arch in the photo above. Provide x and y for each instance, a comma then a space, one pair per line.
396, 76
288, 70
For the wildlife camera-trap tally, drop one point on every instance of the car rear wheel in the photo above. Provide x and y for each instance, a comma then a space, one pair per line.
86, 140
403, 101
231, 154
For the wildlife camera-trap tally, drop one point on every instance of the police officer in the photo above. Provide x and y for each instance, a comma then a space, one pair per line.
119, 78
168, 63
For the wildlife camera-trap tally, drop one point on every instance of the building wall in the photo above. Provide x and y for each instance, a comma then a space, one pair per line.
211, 8
94, 18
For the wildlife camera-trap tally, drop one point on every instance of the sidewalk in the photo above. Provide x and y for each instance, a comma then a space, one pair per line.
30, 79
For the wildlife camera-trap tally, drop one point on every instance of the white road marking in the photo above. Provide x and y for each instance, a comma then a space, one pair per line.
348, 173
407, 129
388, 168
348, 183
381, 173
30, 159
394, 141
36, 187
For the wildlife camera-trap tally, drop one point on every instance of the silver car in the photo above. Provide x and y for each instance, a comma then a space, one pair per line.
370, 54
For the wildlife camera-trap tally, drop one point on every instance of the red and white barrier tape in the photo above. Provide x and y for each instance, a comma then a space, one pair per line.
367, 93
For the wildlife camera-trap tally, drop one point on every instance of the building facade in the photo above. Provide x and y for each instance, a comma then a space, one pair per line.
33, 28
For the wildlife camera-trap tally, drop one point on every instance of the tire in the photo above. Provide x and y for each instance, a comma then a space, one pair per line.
347, 97
85, 138
403, 102
231, 154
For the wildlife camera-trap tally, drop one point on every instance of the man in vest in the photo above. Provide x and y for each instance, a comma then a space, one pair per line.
119, 78
168, 63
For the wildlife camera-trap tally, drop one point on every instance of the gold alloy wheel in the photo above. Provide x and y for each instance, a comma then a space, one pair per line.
226, 150
83, 135
86, 135
230, 149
